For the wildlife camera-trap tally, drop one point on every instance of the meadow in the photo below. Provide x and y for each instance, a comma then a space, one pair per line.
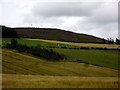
17, 63
59, 44
106, 58
83, 68
35, 43
90, 45
25, 71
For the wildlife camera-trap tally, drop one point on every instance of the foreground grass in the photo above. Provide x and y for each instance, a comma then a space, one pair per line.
23, 71
38, 81
16, 63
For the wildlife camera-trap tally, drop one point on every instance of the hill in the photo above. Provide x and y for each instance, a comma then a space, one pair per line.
53, 34
99, 56
22, 63
23, 71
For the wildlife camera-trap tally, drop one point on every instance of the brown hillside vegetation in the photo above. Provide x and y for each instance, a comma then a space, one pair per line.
57, 34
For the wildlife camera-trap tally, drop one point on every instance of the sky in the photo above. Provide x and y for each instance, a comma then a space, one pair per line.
94, 17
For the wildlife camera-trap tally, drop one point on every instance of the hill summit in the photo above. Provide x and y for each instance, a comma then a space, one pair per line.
49, 34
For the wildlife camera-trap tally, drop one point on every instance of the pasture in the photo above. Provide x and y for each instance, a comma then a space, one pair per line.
51, 43
82, 69
17, 63
35, 43
110, 46
105, 58
25, 71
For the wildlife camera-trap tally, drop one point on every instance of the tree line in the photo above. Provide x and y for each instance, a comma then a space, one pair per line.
111, 41
38, 51
9, 32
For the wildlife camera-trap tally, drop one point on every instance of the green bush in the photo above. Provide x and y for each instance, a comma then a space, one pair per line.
37, 50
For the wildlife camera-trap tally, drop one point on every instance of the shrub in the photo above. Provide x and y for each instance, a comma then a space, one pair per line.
37, 51
84, 48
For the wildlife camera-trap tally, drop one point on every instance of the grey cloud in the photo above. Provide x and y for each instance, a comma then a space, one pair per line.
53, 9
106, 13
43, 21
103, 30
99, 19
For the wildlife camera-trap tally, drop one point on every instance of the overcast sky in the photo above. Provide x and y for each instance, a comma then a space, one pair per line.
98, 17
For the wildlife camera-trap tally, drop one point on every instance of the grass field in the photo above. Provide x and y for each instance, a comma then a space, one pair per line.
113, 46
23, 71
35, 43
106, 58
51, 43
17, 63
38, 81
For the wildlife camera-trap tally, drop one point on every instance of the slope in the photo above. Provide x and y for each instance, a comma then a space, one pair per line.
24, 64
50, 34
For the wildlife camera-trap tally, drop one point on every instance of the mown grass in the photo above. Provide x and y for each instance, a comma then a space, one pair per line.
38, 81
23, 71
16, 63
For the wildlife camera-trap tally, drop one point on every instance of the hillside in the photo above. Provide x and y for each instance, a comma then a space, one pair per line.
17, 73
106, 58
21, 64
53, 34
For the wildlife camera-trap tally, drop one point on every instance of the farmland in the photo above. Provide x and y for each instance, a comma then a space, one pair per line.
17, 72
52, 43
21, 64
106, 58
39, 81
83, 68
111, 46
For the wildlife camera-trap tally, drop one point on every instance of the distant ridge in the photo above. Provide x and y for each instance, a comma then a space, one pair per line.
51, 34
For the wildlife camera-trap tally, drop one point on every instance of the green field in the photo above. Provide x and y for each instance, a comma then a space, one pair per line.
80, 70
59, 44
106, 58
35, 43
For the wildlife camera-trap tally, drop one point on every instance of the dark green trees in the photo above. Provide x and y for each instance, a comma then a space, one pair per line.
117, 41
38, 51
9, 32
